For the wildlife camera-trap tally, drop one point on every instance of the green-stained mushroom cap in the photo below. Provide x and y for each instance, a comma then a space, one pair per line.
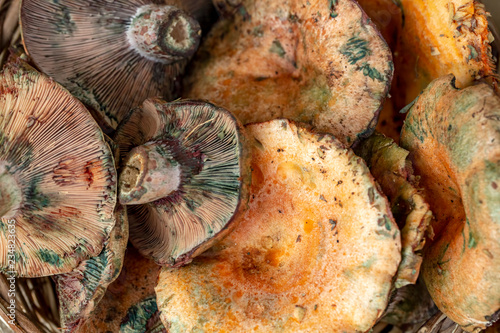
113, 55
57, 177
186, 179
391, 168
81, 290
317, 61
143, 317
453, 137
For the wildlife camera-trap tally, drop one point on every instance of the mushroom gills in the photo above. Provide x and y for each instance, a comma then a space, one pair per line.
186, 178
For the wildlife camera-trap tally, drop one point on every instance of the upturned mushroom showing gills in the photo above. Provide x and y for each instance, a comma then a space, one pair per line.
317, 61
81, 290
57, 177
316, 251
112, 55
186, 179
453, 137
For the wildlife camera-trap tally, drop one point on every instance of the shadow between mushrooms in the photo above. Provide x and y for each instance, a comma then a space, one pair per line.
113, 55
185, 180
57, 177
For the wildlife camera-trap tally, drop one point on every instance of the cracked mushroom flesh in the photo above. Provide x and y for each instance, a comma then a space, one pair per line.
321, 62
452, 135
316, 251
185, 180
81, 290
57, 176
113, 55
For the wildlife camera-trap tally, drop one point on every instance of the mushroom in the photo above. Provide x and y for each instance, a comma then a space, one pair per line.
321, 62
143, 317
134, 285
81, 290
316, 251
389, 165
57, 177
452, 135
112, 55
186, 179
439, 38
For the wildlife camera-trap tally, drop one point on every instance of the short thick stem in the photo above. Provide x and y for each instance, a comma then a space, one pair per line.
10, 193
150, 173
164, 33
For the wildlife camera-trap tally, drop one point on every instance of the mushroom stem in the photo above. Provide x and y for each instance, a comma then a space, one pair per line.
150, 173
164, 33
10, 193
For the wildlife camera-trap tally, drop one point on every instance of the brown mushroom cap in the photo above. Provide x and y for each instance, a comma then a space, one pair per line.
197, 152
321, 62
316, 251
81, 290
58, 172
453, 137
89, 47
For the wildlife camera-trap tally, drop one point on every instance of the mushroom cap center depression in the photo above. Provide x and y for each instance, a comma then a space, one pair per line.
164, 33
10, 192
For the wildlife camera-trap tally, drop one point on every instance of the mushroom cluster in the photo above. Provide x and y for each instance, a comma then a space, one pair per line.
252, 193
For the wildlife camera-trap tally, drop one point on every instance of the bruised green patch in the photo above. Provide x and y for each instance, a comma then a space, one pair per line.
355, 49
371, 72
139, 315
277, 48
50, 257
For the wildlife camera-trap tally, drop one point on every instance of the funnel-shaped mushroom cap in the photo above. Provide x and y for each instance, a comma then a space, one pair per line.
134, 284
453, 137
57, 177
317, 61
316, 251
389, 165
81, 290
112, 55
190, 174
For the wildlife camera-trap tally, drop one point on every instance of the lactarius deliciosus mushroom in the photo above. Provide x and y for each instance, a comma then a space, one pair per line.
57, 177
453, 137
186, 178
439, 38
112, 54
81, 290
389, 165
315, 61
129, 301
316, 251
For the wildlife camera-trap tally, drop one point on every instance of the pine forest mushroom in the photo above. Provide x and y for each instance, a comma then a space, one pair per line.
186, 179
81, 290
57, 177
130, 293
439, 38
316, 251
113, 55
453, 137
389, 165
321, 62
